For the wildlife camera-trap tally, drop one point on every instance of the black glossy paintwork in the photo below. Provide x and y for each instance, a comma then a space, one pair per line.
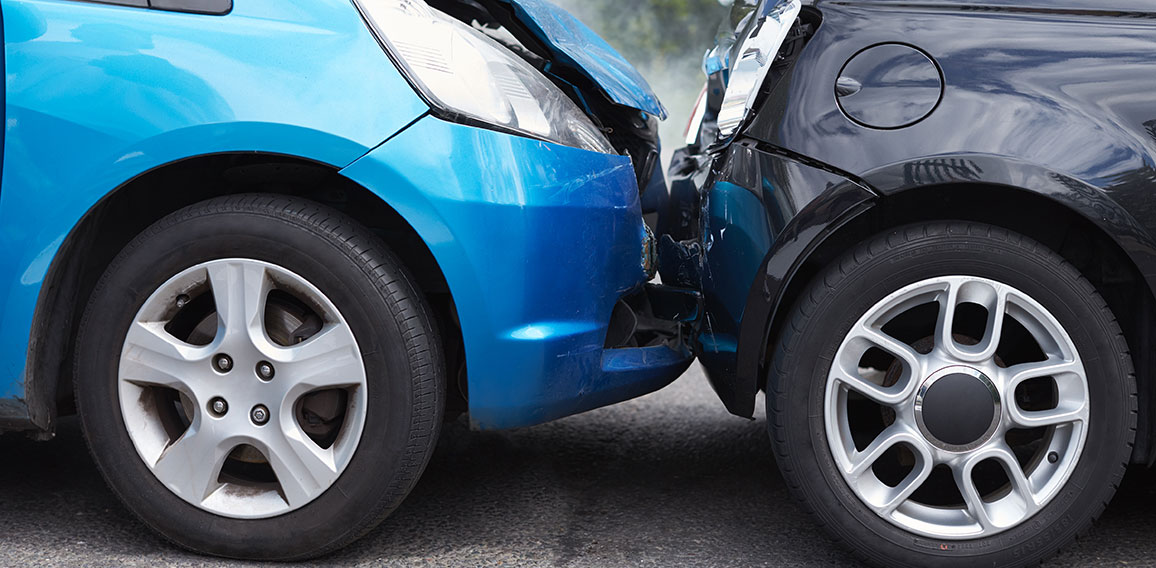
889, 86
1060, 7
1057, 102
828, 201
1055, 98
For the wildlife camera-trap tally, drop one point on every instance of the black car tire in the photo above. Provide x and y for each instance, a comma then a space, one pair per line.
387, 315
844, 291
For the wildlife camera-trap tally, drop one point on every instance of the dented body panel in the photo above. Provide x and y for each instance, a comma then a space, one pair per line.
891, 97
583, 65
537, 242
751, 216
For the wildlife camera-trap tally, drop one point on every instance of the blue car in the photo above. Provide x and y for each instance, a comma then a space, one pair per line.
264, 248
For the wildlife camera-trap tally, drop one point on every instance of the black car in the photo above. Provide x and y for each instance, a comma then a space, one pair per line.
926, 230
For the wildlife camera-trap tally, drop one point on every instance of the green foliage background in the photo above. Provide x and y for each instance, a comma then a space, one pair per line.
652, 32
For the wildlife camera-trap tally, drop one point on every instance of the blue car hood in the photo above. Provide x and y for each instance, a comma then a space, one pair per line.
577, 45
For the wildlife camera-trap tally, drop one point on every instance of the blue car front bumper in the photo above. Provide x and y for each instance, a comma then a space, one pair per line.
537, 243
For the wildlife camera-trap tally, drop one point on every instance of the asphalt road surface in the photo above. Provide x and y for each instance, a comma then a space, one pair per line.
667, 480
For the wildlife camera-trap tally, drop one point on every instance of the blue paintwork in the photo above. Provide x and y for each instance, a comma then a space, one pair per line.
98, 94
580, 46
740, 238
536, 240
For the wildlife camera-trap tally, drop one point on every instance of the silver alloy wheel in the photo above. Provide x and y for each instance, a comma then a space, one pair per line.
221, 405
972, 369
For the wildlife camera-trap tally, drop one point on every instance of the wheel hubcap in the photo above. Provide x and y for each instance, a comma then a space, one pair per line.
199, 399
956, 407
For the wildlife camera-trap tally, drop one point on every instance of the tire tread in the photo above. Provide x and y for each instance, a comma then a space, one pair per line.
380, 266
828, 282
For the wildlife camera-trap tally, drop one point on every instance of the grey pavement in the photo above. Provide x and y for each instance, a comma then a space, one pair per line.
670, 479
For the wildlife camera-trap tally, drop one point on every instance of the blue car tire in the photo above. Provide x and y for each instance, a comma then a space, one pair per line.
257, 377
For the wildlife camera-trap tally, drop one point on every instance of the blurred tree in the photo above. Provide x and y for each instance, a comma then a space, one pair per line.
659, 34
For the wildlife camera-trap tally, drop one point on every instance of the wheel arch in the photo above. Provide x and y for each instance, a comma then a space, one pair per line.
1081, 223
123, 213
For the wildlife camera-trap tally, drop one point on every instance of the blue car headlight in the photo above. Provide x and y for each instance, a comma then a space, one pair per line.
469, 77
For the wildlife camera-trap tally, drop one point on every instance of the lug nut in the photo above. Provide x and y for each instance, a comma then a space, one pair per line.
218, 406
259, 415
265, 370
222, 363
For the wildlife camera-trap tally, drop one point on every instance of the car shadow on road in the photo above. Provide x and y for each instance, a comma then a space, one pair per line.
634, 488
667, 480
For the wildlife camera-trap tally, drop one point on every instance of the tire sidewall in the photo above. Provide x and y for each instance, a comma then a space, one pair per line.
1044, 277
375, 475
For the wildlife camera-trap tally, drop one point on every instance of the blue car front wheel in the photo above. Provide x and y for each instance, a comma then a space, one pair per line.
257, 378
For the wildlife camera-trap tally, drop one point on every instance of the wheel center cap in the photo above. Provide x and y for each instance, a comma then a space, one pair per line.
957, 408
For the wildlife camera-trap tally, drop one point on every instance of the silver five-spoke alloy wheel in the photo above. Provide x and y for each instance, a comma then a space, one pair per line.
242, 388
951, 414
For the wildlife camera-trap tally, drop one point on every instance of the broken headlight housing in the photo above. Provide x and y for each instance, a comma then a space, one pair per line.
468, 77
760, 35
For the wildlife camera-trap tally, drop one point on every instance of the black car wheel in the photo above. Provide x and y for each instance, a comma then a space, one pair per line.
258, 378
952, 393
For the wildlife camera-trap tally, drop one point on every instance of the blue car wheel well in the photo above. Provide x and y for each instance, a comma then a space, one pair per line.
127, 211
1088, 247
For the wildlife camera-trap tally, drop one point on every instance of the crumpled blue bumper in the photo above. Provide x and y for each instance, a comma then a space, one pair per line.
537, 243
